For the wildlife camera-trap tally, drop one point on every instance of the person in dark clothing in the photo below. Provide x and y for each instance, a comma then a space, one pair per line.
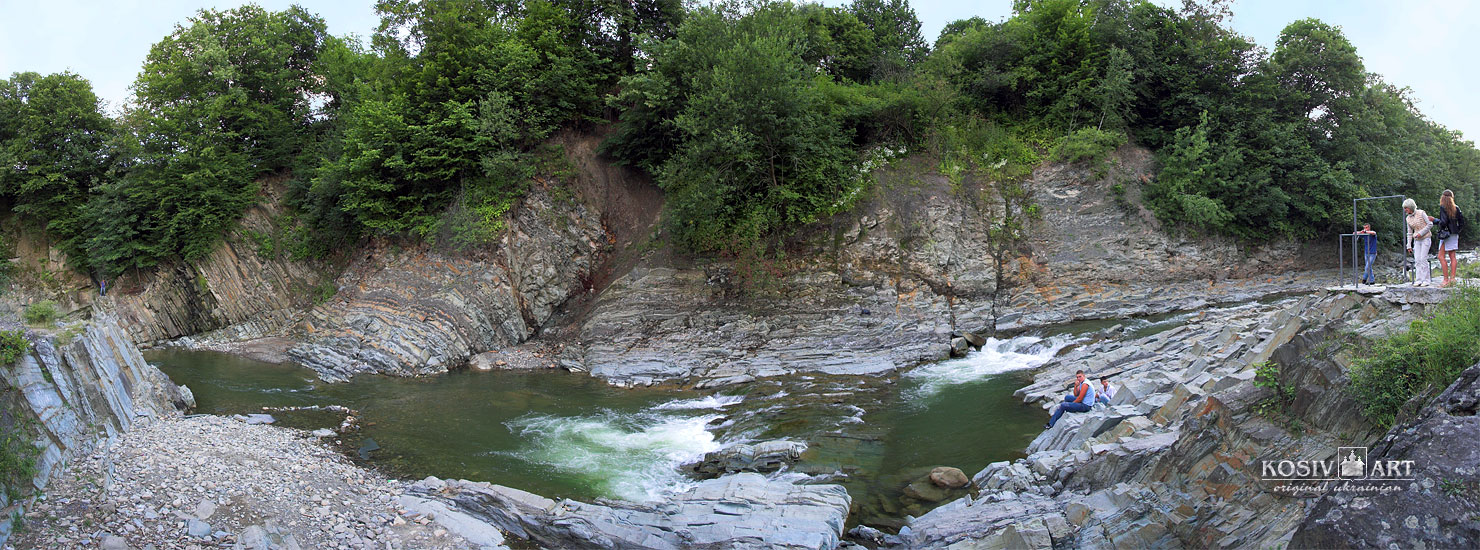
1451, 221
1369, 246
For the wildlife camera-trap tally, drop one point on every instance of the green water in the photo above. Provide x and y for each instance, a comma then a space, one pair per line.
568, 435
552, 433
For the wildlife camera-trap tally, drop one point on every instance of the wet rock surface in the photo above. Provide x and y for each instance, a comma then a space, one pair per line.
763, 457
213, 482
738, 511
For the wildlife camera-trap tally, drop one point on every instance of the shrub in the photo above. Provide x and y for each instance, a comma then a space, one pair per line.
1267, 375
40, 313
1429, 356
13, 345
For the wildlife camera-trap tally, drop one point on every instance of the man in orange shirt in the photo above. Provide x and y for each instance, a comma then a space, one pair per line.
1079, 401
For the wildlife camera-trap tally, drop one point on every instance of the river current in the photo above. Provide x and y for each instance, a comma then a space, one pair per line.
563, 434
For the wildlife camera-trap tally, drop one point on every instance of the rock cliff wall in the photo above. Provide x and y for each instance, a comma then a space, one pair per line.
241, 290
421, 311
75, 392
884, 286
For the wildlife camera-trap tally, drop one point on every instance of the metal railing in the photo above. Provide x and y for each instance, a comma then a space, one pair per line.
1357, 269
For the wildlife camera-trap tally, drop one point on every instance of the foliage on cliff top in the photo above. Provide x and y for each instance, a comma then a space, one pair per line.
1424, 359
753, 116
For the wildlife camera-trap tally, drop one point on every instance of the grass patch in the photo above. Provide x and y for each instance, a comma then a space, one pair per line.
1425, 359
1087, 145
324, 291
70, 333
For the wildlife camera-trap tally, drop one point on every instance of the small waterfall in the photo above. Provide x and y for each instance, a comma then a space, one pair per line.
996, 357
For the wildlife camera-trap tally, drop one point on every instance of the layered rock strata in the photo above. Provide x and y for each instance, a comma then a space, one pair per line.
420, 311
242, 290
737, 511
73, 392
884, 288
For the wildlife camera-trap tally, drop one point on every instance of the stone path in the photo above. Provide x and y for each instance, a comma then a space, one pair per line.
214, 482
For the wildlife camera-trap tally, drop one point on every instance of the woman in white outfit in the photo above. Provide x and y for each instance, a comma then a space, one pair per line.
1419, 228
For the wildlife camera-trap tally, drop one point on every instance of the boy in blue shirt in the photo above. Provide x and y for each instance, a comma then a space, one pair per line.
1369, 242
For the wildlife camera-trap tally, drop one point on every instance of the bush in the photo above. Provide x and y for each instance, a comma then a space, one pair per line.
41, 313
13, 345
1087, 145
1426, 358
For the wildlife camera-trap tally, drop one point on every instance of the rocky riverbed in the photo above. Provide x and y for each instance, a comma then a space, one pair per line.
215, 482
1173, 461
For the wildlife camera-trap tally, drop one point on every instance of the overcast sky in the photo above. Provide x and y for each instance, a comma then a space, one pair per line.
1421, 44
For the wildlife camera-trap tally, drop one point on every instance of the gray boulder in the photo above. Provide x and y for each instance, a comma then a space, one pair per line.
737, 511
765, 456
1435, 510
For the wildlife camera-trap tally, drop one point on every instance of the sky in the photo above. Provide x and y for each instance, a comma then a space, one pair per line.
1420, 44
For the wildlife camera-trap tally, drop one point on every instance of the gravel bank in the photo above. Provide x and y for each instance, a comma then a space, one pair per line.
214, 482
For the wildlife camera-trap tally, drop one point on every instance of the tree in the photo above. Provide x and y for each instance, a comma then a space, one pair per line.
1114, 94
759, 148
218, 104
53, 147
896, 32
1316, 65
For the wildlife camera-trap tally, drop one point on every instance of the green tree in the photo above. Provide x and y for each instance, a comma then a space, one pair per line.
53, 147
218, 104
760, 149
896, 32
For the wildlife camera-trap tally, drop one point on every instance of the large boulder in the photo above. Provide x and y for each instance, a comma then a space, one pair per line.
740, 511
1438, 508
764, 456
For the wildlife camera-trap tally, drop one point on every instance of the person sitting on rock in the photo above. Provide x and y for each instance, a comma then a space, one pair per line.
1106, 391
1079, 401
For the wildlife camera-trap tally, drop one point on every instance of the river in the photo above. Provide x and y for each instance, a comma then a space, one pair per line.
563, 434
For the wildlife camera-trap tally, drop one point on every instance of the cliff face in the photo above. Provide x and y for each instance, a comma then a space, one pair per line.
879, 288
75, 394
883, 287
394, 311
419, 311
239, 290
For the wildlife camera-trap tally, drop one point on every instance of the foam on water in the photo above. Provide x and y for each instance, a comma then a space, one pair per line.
631, 457
995, 357
706, 402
